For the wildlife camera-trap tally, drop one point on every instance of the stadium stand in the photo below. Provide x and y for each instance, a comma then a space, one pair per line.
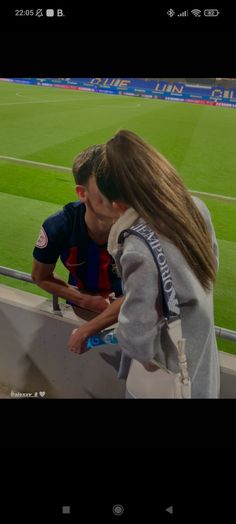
195, 90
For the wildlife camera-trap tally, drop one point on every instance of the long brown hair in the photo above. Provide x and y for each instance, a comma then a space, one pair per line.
129, 170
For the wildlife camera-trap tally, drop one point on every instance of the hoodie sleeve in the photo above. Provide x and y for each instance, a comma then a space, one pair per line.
137, 329
207, 216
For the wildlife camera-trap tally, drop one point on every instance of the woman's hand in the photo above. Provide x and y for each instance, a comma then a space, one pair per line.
78, 339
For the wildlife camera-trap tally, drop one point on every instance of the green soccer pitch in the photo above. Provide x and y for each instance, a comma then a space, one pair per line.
51, 126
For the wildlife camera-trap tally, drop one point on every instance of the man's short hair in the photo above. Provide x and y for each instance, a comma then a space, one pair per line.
83, 164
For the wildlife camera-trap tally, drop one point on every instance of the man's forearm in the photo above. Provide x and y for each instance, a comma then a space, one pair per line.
55, 285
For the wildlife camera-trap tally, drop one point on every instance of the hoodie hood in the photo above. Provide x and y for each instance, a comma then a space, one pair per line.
129, 217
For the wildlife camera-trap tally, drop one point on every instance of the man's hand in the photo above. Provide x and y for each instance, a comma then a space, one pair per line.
98, 304
78, 339
43, 276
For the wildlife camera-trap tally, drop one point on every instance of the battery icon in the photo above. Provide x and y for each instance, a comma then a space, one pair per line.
211, 12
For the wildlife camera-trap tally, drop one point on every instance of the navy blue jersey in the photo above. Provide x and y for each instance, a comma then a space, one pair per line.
90, 266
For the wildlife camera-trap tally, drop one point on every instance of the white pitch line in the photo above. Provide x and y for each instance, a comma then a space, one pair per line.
41, 102
69, 170
214, 195
58, 100
34, 163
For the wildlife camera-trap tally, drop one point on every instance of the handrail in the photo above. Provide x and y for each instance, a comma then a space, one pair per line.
26, 277
14, 273
220, 332
227, 334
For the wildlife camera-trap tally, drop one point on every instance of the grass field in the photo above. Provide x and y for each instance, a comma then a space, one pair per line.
52, 126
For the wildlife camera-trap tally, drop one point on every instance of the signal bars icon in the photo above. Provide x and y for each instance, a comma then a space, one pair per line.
184, 13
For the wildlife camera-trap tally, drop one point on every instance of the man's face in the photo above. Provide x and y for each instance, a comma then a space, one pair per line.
97, 203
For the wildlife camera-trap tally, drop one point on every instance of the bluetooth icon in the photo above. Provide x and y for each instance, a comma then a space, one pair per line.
171, 12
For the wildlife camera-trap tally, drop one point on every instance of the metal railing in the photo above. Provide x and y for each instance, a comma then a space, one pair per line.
26, 277
227, 334
224, 333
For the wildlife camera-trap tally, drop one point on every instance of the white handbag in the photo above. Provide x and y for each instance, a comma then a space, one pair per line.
160, 383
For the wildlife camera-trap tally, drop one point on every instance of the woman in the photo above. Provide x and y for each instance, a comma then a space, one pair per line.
137, 184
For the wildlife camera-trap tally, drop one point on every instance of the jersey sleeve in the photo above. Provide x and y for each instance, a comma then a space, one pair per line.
51, 239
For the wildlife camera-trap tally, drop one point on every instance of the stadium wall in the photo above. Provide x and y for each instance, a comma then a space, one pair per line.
153, 89
35, 361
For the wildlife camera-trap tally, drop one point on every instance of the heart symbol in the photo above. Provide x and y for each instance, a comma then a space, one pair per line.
42, 393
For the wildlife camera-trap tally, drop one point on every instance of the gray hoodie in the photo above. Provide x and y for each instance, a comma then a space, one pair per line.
141, 332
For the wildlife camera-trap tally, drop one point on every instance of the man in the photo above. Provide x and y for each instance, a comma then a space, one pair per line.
78, 235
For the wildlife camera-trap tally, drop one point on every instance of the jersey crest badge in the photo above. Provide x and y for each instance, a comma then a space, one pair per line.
42, 241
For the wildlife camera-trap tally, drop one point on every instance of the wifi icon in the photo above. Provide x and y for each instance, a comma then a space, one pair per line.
196, 12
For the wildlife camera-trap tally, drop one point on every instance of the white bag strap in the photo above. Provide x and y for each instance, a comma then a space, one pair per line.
175, 334
170, 301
